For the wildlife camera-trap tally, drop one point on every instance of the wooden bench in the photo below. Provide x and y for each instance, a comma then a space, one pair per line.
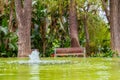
69, 51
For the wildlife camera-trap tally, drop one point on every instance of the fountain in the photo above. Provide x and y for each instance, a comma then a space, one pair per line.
34, 57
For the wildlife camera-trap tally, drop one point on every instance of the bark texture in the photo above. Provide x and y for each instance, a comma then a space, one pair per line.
1, 7
43, 32
10, 25
115, 25
105, 4
73, 24
86, 34
23, 13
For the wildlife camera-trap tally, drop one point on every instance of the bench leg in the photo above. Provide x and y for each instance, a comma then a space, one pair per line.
55, 53
84, 53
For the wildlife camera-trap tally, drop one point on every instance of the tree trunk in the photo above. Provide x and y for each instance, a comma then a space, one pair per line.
86, 34
1, 7
10, 25
23, 13
43, 32
115, 25
118, 29
73, 24
10, 20
105, 4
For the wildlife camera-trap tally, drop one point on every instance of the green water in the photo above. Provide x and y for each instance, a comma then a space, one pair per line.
78, 69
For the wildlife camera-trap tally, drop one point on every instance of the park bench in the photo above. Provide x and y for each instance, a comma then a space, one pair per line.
69, 51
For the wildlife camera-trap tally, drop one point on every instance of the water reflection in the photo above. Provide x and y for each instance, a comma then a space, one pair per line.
103, 75
34, 71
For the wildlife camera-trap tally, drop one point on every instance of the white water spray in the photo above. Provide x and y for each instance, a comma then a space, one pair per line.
34, 57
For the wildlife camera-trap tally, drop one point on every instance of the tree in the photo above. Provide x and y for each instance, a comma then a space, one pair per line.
105, 4
85, 22
113, 19
10, 25
23, 13
73, 24
115, 24
1, 6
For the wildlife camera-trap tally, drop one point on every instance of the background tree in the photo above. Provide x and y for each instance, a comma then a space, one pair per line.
106, 8
93, 30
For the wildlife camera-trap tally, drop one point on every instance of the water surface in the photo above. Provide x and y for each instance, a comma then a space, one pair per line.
77, 69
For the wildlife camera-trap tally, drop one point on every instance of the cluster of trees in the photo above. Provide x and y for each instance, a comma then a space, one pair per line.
47, 24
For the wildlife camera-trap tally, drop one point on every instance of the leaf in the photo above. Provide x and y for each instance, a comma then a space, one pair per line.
4, 29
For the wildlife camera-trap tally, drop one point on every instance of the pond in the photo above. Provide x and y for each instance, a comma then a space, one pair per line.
77, 69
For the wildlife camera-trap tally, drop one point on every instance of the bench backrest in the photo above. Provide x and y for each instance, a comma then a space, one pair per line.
69, 50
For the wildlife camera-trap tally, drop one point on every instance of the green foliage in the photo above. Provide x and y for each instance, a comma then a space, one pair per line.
8, 40
8, 43
53, 14
98, 29
108, 53
100, 34
49, 13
